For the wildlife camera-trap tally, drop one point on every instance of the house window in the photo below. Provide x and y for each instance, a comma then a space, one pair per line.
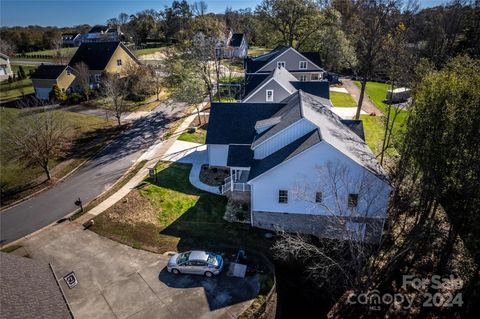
315, 76
303, 77
355, 231
280, 64
283, 196
318, 197
352, 200
119, 62
269, 96
302, 65
97, 78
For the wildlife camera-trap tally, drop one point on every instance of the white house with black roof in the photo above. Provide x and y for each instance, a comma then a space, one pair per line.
280, 84
234, 46
302, 168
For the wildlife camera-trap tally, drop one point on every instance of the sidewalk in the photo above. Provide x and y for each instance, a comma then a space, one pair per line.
152, 155
367, 104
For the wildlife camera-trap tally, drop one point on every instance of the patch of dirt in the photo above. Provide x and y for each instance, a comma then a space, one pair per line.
213, 176
200, 123
132, 209
237, 212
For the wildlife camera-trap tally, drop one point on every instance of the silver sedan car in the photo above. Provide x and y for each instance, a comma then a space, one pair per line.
196, 262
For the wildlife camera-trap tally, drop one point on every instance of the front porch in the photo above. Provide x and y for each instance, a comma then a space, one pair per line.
237, 181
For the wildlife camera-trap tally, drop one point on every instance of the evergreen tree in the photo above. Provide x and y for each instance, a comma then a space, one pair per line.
57, 94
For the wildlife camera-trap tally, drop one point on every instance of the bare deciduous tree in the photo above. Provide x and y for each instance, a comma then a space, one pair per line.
114, 89
38, 138
82, 73
351, 230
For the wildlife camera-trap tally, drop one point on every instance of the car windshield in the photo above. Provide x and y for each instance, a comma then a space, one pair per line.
183, 257
212, 259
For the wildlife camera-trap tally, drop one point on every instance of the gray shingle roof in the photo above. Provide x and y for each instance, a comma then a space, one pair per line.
284, 154
29, 289
240, 156
96, 55
281, 76
356, 126
234, 123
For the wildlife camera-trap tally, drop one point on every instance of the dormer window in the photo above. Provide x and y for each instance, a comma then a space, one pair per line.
302, 65
280, 64
269, 96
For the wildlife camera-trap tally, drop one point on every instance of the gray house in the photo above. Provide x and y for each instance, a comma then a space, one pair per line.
305, 66
280, 84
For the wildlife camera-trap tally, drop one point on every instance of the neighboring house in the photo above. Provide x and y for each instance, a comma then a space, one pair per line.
46, 76
30, 289
305, 66
103, 57
234, 46
71, 39
100, 33
5, 68
285, 159
280, 84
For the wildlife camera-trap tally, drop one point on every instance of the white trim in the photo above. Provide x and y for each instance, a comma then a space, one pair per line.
282, 64
267, 99
303, 78
262, 86
300, 65
274, 59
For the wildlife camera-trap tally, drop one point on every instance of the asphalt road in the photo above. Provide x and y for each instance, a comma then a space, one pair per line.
96, 176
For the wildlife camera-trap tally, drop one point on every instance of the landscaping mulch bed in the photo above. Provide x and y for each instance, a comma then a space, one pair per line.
213, 176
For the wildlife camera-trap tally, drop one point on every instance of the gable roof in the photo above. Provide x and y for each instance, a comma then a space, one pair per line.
284, 154
254, 82
28, 289
279, 75
96, 55
356, 126
236, 39
234, 123
254, 64
98, 28
50, 72
331, 128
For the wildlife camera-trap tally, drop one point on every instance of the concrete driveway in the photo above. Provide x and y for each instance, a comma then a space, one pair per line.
117, 281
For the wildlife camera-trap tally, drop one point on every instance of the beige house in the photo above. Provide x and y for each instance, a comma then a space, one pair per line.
5, 69
46, 76
103, 57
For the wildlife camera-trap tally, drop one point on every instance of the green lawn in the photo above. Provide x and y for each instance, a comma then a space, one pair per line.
13, 175
198, 137
15, 90
377, 92
374, 131
172, 215
342, 99
148, 51
256, 51
63, 51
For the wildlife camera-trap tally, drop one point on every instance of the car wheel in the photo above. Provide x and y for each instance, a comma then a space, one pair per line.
175, 271
208, 274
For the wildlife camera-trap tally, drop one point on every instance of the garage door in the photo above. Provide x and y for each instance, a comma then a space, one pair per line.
42, 93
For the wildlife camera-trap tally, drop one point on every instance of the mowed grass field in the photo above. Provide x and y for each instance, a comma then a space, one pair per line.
13, 174
15, 90
169, 214
342, 99
63, 51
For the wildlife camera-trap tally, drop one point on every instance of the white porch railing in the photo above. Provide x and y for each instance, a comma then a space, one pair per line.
235, 187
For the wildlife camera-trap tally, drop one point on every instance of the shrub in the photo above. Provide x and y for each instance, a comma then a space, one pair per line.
75, 98
57, 94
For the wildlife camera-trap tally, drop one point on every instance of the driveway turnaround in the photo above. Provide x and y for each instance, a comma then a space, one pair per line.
93, 178
117, 281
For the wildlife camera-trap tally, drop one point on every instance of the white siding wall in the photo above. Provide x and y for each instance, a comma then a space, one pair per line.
283, 138
217, 154
305, 174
